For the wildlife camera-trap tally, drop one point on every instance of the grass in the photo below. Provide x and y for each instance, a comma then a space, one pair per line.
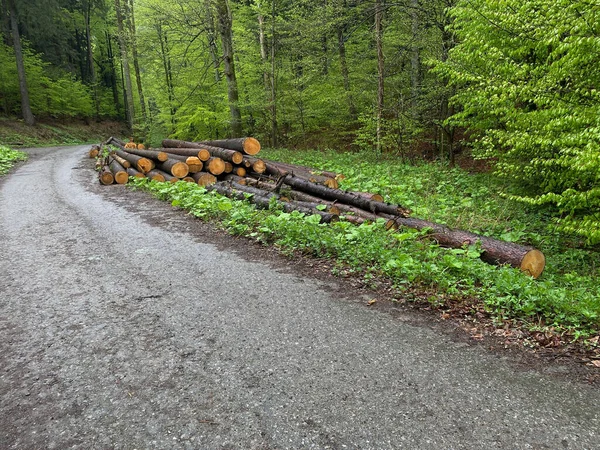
566, 297
8, 158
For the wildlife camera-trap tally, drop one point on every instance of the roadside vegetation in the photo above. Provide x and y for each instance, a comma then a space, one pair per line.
566, 298
8, 158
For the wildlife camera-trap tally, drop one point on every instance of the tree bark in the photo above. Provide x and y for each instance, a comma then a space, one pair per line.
212, 38
345, 72
87, 14
166, 60
224, 16
247, 145
528, 259
136, 65
105, 176
140, 163
343, 197
155, 155
24, 91
118, 171
204, 178
380, 70
415, 60
129, 110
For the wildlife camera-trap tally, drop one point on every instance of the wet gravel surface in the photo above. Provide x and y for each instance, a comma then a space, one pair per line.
119, 333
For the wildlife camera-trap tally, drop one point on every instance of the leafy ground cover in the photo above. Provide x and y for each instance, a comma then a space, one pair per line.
565, 299
54, 132
8, 158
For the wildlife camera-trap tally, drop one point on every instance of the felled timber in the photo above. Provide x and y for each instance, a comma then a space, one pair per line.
247, 145
528, 259
193, 162
264, 201
118, 171
155, 175
306, 173
176, 168
167, 176
343, 196
94, 151
215, 165
105, 176
299, 168
135, 173
201, 155
204, 178
140, 163
254, 164
155, 155
121, 161
228, 167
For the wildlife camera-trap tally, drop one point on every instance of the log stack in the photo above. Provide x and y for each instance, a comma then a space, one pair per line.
231, 168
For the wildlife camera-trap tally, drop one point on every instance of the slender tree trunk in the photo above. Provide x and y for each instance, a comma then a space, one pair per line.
25, 106
164, 50
344, 68
380, 69
212, 38
415, 60
224, 15
129, 110
113, 74
274, 127
87, 11
136, 65
269, 88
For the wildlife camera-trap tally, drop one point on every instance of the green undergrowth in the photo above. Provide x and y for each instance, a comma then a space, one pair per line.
566, 297
8, 158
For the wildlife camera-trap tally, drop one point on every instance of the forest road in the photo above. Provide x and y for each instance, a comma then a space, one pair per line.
116, 333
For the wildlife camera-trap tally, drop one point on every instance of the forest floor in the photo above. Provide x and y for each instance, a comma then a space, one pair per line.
48, 131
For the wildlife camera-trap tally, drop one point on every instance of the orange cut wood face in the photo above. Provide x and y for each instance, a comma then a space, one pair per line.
141, 147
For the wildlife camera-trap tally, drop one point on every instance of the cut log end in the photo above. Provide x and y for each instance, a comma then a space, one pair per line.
204, 155
204, 179
251, 146
121, 177
533, 263
106, 177
180, 170
145, 165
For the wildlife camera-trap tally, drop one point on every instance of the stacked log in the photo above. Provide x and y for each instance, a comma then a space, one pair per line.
231, 168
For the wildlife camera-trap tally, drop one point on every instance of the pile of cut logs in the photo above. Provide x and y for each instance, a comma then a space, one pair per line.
230, 167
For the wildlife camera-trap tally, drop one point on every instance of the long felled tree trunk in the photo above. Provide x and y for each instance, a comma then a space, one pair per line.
224, 16
25, 105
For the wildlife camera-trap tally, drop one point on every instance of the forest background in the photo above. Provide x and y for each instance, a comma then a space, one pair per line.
513, 82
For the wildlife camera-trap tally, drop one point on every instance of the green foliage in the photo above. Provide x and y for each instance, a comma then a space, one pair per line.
58, 95
527, 76
566, 297
8, 158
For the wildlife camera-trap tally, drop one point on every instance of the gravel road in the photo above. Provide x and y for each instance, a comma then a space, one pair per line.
115, 333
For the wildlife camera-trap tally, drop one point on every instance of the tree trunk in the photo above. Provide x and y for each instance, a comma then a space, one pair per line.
136, 65
345, 73
273, 80
528, 259
247, 145
164, 50
113, 74
87, 13
25, 105
129, 110
118, 171
380, 70
176, 168
140, 163
344, 197
155, 155
204, 178
415, 60
224, 16
105, 176
212, 38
